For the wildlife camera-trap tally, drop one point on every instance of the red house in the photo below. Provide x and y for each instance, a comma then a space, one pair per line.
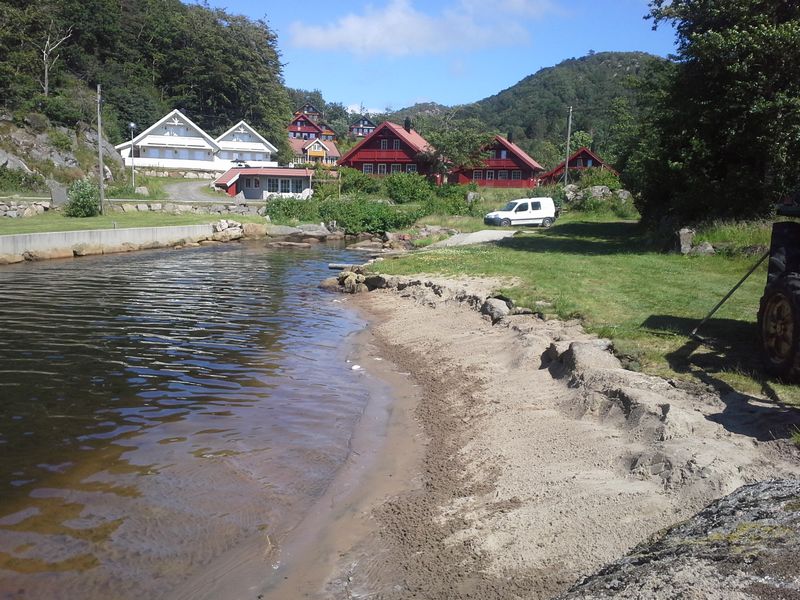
303, 128
507, 166
389, 149
580, 160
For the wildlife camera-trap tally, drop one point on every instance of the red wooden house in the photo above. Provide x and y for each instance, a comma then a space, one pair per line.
582, 159
362, 127
303, 128
389, 149
506, 166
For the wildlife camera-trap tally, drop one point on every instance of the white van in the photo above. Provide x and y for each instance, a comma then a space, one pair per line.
525, 211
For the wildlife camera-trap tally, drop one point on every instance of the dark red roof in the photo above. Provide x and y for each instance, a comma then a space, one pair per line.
231, 175
584, 150
412, 138
519, 153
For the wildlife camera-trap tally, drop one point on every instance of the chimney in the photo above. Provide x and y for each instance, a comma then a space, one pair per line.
407, 124
510, 137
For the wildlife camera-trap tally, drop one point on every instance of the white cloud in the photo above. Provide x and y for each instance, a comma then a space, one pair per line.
398, 29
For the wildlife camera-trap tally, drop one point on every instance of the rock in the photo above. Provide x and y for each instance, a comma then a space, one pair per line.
376, 281
685, 238
228, 235
36, 255
86, 249
473, 197
58, 192
126, 208
317, 231
288, 245
156, 206
599, 191
254, 230
366, 245
141, 191
704, 249
584, 356
282, 231
744, 545
495, 308
141, 207
624, 196
330, 284
571, 192
10, 259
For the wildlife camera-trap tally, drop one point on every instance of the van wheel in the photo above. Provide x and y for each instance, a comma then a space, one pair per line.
547, 221
505, 223
779, 328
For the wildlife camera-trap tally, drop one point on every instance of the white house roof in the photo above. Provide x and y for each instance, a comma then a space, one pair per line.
242, 127
204, 141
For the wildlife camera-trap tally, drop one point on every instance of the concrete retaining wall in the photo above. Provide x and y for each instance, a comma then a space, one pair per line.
69, 242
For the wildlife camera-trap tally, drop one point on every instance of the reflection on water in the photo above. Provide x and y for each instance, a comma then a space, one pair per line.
157, 408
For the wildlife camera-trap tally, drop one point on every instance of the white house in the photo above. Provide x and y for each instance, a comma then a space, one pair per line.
175, 142
243, 143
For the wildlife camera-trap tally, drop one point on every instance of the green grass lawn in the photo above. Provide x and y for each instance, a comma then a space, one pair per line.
56, 221
604, 272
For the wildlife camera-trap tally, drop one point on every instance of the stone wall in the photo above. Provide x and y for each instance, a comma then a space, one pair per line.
179, 208
176, 173
14, 209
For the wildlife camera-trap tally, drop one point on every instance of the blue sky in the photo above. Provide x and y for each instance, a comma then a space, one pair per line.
393, 53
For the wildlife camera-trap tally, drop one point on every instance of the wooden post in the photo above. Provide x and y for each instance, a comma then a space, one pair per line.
102, 173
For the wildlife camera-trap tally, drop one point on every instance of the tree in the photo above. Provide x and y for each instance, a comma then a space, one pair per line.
47, 49
723, 131
454, 143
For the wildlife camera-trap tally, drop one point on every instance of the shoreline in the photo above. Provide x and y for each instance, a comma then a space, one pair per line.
544, 459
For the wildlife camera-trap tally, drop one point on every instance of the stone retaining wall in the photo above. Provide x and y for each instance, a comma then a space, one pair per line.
177, 208
14, 209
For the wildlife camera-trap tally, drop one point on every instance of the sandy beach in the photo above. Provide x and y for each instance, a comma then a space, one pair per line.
522, 457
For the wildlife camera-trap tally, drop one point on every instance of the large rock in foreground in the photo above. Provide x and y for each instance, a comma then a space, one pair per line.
746, 545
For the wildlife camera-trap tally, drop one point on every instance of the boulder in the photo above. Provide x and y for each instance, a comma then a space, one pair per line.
141, 191
330, 283
684, 240
228, 235
254, 230
10, 259
86, 249
288, 245
599, 191
156, 206
495, 308
704, 249
282, 230
141, 207
128, 208
317, 231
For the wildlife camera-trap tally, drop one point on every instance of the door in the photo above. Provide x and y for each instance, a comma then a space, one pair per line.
522, 214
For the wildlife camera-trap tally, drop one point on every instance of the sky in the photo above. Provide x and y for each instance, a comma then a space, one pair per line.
391, 54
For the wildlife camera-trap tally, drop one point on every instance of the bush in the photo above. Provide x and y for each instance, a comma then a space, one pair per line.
596, 176
16, 180
354, 181
407, 187
83, 199
60, 140
556, 192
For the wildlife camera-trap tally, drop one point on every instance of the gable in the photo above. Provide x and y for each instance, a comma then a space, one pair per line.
177, 127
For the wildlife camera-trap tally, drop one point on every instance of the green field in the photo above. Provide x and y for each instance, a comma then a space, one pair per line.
608, 273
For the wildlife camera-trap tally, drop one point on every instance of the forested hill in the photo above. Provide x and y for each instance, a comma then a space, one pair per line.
535, 110
150, 56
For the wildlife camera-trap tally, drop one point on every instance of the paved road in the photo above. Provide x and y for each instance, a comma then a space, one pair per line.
477, 237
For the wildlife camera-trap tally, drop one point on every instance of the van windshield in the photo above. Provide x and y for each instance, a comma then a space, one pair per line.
510, 206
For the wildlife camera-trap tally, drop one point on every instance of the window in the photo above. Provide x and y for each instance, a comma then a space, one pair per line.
396, 145
502, 174
477, 174
536, 206
384, 144
521, 207
297, 186
286, 186
411, 168
272, 185
489, 174
247, 183
579, 162
367, 169
256, 182
381, 169
516, 175
588, 162
502, 154
396, 168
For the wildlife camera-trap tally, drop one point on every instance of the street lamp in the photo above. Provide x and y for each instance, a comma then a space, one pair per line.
132, 126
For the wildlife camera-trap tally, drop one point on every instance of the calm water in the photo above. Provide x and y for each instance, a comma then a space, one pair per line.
157, 409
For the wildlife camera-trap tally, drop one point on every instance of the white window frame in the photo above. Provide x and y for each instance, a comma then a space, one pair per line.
516, 175
384, 144
381, 169
411, 168
397, 168
489, 175
477, 175
395, 144
366, 168
502, 174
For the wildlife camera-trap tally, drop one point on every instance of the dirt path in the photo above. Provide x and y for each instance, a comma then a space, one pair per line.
188, 191
541, 463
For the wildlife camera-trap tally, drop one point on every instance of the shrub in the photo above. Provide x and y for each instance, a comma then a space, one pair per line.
596, 176
16, 180
60, 140
407, 187
556, 192
356, 181
83, 199
37, 121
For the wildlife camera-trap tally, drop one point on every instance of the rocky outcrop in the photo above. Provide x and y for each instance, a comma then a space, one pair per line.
744, 545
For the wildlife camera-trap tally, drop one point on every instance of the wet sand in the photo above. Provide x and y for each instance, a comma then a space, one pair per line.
527, 480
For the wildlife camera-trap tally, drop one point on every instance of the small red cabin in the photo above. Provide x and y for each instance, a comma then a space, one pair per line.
506, 166
582, 159
389, 149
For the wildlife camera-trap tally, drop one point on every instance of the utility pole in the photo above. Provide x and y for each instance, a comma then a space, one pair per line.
100, 153
566, 160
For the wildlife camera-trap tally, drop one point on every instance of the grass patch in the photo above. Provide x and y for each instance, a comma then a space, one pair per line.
56, 221
604, 272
